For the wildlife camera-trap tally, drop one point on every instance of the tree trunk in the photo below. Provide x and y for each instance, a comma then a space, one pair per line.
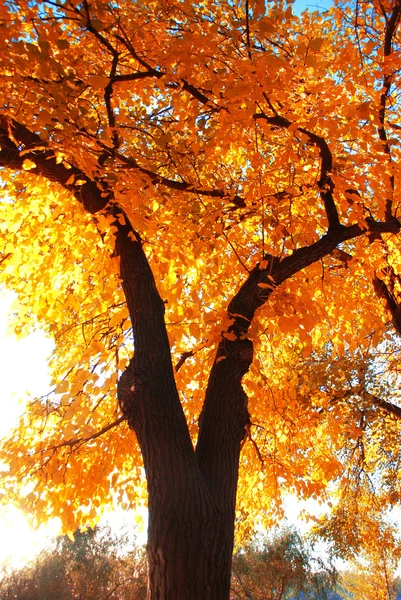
188, 551
191, 508
192, 493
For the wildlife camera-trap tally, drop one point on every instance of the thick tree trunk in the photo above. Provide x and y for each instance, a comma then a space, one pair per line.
191, 495
188, 550
191, 532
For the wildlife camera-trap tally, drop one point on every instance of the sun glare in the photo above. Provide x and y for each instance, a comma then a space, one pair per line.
20, 543
23, 371
23, 367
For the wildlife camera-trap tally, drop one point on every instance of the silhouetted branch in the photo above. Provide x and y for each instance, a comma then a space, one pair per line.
82, 440
325, 182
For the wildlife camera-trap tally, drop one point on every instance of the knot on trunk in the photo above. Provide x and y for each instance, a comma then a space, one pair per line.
126, 393
235, 355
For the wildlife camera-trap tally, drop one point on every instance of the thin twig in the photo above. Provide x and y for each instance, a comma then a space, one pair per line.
82, 440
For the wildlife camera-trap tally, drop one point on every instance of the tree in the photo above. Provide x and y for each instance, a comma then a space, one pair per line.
283, 567
372, 574
95, 565
192, 192
358, 399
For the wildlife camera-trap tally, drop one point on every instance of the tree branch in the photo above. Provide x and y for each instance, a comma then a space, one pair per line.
198, 95
390, 30
108, 92
137, 75
261, 282
82, 440
181, 186
17, 144
150, 71
325, 182
89, 26
184, 356
127, 43
388, 407
3, 258
248, 36
219, 439
383, 291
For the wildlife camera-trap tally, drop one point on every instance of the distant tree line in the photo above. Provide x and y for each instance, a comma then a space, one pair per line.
95, 566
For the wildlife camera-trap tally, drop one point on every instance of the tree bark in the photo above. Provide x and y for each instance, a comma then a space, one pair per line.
190, 537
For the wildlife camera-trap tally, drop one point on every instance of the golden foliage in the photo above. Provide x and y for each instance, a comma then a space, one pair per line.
222, 135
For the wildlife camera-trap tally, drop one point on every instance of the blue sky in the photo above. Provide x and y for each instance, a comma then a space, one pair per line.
301, 5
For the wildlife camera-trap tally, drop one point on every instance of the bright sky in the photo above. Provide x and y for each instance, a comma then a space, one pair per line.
23, 368
23, 372
311, 5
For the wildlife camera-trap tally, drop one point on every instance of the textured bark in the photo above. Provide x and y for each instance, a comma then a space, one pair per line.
189, 550
222, 428
93, 196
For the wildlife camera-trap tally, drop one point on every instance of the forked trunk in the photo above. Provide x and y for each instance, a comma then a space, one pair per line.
191, 493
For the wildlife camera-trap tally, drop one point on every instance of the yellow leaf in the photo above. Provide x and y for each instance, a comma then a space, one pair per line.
266, 26
71, 536
229, 335
266, 286
62, 387
62, 44
28, 164
115, 319
286, 325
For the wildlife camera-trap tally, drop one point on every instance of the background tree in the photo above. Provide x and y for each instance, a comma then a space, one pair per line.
194, 195
282, 567
97, 564
372, 575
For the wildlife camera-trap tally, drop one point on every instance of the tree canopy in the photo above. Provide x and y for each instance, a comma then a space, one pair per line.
245, 161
